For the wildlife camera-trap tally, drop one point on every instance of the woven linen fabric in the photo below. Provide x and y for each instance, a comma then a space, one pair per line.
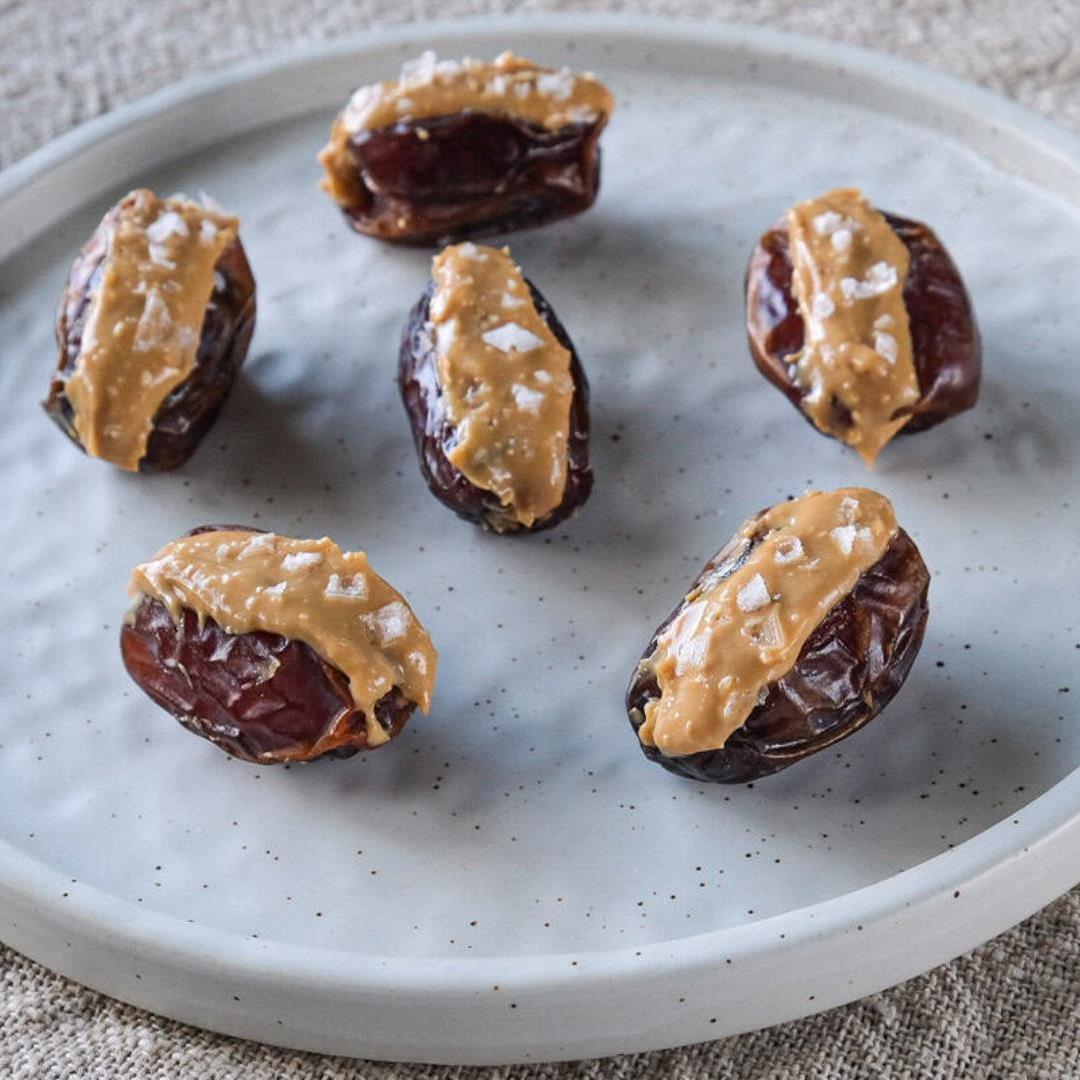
1009, 1009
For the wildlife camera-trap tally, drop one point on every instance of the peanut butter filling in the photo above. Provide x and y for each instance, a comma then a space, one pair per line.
306, 590
428, 87
506, 382
141, 336
736, 636
849, 270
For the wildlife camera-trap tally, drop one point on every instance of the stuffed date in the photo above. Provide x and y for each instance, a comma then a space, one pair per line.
862, 320
152, 328
495, 394
455, 150
795, 635
275, 649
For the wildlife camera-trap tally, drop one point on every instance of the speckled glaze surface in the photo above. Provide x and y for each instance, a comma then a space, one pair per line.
510, 879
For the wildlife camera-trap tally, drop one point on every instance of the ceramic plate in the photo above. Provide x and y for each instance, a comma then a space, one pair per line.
511, 880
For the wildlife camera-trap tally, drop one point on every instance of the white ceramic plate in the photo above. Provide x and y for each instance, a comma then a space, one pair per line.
511, 880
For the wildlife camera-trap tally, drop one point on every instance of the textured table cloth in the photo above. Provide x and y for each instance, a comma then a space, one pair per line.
1010, 1009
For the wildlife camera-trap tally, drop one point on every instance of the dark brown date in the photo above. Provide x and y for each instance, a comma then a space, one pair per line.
474, 174
260, 697
944, 337
850, 668
418, 380
190, 410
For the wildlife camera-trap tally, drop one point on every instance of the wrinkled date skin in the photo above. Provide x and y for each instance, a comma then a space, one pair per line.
190, 410
944, 337
470, 175
260, 697
418, 380
848, 671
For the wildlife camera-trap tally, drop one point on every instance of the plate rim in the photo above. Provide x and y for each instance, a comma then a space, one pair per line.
1046, 829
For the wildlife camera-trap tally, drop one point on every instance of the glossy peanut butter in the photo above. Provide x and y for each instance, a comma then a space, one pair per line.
848, 279
306, 590
505, 379
429, 87
734, 637
141, 336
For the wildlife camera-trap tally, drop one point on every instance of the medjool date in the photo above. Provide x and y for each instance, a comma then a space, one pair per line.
458, 150
944, 338
200, 324
844, 671
544, 415
264, 689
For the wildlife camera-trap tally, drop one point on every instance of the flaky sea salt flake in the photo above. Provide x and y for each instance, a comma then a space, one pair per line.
690, 655
299, 560
885, 345
419, 71
445, 336
526, 398
844, 537
448, 69
155, 323
389, 623
258, 544
753, 595
558, 85
159, 256
788, 550
827, 223
337, 587
510, 337
880, 278
168, 223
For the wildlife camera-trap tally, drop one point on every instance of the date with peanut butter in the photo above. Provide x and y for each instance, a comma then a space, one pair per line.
495, 394
795, 635
862, 320
453, 150
153, 326
275, 649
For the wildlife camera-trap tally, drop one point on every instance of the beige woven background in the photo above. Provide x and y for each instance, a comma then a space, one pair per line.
1011, 1009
